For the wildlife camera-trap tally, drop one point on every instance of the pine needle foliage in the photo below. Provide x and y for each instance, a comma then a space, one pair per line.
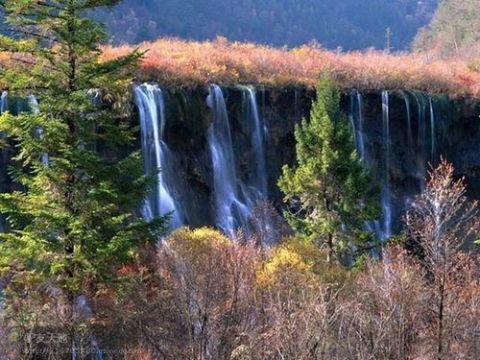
73, 218
329, 191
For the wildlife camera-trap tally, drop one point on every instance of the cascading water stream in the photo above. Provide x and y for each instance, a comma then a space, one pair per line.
410, 143
258, 137
421, 153
361, 140
257, 132
357, 119
4, 102
33, 104
432, 130
353, 119
296, 103
95, 96
151, 105
230, 212
386, 191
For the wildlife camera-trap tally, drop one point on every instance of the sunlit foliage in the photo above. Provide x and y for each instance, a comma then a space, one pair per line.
179, 63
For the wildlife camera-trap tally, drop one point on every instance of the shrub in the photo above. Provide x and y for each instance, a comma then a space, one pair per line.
178, 63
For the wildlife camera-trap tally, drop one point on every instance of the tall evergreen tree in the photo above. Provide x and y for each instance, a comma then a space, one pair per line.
73, 218
329, 191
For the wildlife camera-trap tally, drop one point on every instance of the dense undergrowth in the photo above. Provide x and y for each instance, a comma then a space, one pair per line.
204, 296
179, 63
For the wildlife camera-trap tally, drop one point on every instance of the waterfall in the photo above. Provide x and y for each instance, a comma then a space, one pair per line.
427, 137
231, 212
156, 155
421, 142
353, 118
412, 166
296, 102
357, 119
4, 102
386, 191
224, 173
361, 141
257, 132
95, 97
258, 136
33, 104
432, 130
410, 143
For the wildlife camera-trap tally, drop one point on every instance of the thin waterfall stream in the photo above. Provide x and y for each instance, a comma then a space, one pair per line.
258, 135
156, 154
386, 191
230, 211
4, 102
432, 130
235, 198
418, 135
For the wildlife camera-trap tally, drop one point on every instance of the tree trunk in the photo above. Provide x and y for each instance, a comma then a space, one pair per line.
330, 251
441, 306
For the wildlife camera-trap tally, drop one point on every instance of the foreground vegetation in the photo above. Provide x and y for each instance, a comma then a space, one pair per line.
180, 63
329, 191
204, 296
72, 221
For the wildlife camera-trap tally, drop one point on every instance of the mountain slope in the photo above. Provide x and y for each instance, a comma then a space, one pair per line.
454, 30
350, 24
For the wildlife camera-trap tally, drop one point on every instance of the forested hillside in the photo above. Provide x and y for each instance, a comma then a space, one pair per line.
350, 24
454, 30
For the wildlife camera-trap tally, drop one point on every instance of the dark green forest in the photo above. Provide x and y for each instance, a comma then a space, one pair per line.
350, 24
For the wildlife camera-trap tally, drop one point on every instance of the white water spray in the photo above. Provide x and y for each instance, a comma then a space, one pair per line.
230, 212
386, 191
156, 154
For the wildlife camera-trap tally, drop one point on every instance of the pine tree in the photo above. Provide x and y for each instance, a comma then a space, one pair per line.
73, 218
330, 193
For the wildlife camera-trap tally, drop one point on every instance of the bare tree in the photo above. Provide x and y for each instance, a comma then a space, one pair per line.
294, 305
441, 220
383, 314
212, 282
464, 309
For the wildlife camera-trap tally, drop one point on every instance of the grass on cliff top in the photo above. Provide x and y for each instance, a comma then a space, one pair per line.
177, 63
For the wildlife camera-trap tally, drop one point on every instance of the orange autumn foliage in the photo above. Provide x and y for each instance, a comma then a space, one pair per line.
178, 63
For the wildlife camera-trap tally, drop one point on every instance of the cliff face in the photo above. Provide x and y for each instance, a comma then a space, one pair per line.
214, 176
398, 133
